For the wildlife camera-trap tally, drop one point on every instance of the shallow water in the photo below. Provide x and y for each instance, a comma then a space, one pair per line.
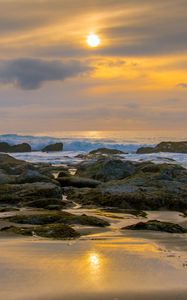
108, 264
70, 157
42, 269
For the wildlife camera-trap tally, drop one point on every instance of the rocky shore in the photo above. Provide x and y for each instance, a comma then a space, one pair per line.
131, 185
25, 185
34, 202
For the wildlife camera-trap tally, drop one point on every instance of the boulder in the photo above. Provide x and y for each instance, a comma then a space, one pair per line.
30, 175
106, 169
22, 182
54, 231
46, 203
5, 147
53, 147
21, 148
58, 217
23, 193
157, 226
100, 153
174, 147
150, 187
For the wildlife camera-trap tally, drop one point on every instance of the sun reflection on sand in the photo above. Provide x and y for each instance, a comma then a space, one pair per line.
94, 260
61, 268
130, 245
95, 265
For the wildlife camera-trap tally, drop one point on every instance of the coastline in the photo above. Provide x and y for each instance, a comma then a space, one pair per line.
109, 262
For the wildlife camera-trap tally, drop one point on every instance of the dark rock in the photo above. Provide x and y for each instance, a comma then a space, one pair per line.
54, 231
21, 171
53, 147
174, 147
157, 226
64, 173
106, 151
78, 182
21, 148
100, 153
145, 150
151, 187
149, 167
30, 175
106, 169
22, 182
5, 147
58, 217
23, 193
17, 230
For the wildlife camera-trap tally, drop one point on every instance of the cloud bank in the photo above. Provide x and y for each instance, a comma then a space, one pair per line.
136, 79
30, 74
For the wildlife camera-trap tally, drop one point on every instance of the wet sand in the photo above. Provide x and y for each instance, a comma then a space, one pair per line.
110, 268
102, 264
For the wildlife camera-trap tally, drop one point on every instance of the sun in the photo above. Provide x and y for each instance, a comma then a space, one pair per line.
93, 40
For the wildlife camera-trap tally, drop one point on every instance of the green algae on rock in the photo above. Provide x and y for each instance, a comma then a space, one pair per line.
156, 225
54, 231
58, 217
148, 187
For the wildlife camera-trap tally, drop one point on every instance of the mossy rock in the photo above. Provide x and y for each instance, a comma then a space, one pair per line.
58, 217
106, 169
22, 193
45, 203
156, 225
54, 231
137, 213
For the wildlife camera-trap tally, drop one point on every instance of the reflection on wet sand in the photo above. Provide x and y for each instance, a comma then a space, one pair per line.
32, 269
130, 244
95, 261
102, 265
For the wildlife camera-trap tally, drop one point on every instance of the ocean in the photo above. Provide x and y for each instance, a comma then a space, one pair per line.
76, 142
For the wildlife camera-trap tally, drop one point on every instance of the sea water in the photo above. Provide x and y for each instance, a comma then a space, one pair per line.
78, 142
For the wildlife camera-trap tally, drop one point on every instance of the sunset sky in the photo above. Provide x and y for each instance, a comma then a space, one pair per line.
51, 80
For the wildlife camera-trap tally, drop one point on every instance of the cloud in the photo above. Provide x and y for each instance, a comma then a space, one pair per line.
182, 85
127, 27
30, 74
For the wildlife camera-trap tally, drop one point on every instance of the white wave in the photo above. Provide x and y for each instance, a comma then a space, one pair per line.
76, 145
70, 157
73, 144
